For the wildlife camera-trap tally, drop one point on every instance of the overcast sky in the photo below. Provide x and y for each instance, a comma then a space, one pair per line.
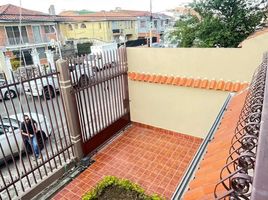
96, 5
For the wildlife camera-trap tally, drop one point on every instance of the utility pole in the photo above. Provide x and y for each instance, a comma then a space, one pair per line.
151, 24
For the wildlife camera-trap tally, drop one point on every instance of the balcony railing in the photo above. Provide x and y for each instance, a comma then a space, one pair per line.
16, 41
245, 174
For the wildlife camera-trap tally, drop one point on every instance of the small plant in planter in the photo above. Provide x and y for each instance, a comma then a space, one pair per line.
113, 188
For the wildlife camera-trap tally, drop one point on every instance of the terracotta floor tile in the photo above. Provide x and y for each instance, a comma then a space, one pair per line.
135, 155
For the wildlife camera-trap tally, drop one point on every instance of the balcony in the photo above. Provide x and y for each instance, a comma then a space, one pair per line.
15, 42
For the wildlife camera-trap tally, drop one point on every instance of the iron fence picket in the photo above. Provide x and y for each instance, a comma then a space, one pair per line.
25, 174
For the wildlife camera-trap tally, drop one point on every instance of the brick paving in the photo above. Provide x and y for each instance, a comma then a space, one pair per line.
154, 158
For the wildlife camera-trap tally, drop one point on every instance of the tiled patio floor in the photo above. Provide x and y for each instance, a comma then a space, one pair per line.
153, 158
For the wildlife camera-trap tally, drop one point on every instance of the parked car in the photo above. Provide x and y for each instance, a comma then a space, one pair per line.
43, 87
8, 92
6, 128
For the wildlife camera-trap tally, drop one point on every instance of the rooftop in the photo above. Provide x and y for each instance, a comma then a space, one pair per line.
11, 12
203, 185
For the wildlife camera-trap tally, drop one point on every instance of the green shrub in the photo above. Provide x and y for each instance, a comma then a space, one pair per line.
84, 48
122, 183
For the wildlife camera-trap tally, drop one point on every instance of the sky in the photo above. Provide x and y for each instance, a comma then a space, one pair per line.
96, 5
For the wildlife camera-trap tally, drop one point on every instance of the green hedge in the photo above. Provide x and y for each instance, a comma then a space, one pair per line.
84, 48
122, 183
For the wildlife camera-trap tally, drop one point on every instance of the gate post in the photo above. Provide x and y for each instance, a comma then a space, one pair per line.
70, 107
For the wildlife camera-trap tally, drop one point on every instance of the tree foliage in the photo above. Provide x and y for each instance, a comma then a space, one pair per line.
223, 23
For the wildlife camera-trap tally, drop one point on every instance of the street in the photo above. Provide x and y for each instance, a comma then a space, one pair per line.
98, 107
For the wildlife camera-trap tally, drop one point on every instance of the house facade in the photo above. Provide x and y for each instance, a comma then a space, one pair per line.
98, 27
37, 30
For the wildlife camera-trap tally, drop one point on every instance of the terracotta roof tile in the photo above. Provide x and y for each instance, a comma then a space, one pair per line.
163, 79
197, 83
11, 12
204, 83
208, 174
228, 86
236, 87
188, 82
176, 81
183, 81
157, 79
212, 84
170, 80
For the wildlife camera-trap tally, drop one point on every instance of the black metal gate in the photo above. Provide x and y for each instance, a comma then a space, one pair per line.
101, 89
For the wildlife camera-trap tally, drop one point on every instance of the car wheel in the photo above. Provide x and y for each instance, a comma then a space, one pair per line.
83, 81
10, 94
48, 92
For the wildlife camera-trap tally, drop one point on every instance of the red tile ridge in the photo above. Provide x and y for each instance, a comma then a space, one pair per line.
189, 82
176, 81
157, 79
197, 83
182, 81
202, 83
169, 80
220, 85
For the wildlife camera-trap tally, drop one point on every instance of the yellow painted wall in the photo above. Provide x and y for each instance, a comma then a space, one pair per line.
101, 30
96, 30
188, 110
185, 110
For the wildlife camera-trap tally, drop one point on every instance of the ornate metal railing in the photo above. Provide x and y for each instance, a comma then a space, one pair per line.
236, 177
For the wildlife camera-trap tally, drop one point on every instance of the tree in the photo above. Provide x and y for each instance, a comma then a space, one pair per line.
224, 23
185, 30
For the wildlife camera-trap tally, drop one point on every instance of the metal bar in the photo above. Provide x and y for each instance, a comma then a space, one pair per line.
260, 181
182, 186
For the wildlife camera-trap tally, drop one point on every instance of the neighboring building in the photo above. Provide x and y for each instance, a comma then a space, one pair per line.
159, 23
98, 27
36, 28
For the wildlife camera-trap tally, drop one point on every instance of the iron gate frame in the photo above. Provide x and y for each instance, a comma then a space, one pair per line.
100, 83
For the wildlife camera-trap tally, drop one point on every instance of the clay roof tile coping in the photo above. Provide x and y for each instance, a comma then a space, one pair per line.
163, 79
151, 79
204, 83
197, 82
220, 85
212, 84
228, 86
157, 79
170, 80
236, 87
183, 81
176, 81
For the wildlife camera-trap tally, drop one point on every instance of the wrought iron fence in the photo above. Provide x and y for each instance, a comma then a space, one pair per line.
100, 85
36, 99
236, 177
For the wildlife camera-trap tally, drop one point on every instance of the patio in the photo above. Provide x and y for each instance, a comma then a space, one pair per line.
154, 158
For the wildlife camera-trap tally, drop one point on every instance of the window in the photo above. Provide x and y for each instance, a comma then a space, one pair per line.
143, 24
37, 34
70, 27
41, 52
132, 24
162, 23
99, 25
83, 26
13, 34
167, 21
155, 23
49, 29
75, 26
